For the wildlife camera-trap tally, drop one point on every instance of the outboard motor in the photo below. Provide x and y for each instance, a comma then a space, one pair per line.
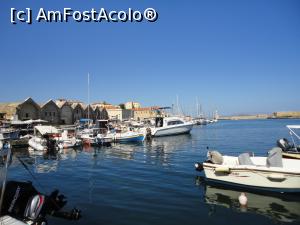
34, 207
148, 133
51, 145
23, 201
284, 144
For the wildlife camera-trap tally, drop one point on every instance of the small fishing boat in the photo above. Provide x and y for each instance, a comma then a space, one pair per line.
272, 173
129, 136
68, 141
44, 138
93, 137
290, 150
165, 126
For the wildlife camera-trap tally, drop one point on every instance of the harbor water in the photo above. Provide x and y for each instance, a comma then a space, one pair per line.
155, 182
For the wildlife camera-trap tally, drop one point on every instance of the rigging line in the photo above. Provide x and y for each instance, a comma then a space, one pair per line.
26, 167
5, 177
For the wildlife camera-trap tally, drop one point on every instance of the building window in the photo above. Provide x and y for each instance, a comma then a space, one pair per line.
45, 113
53, 113
49, 113
26, 115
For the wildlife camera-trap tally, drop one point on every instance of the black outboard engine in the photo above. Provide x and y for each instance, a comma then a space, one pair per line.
24, 202
284, 144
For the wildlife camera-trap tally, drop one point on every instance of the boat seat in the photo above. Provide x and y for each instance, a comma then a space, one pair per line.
274, 158
215, 157
244, 159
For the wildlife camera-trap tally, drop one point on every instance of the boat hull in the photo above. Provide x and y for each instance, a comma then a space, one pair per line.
37, 144
137, 138
291, 155
172, 130
254, 178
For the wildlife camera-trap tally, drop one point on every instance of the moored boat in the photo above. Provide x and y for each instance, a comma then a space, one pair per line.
129, 136
165, 126
272, 173
68, 141
44, 138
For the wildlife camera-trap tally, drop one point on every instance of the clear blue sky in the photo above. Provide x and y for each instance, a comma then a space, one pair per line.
236, 56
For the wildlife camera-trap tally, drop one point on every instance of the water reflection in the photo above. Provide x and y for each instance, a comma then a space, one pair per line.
40, 161
278, 207
154, 151
159, 150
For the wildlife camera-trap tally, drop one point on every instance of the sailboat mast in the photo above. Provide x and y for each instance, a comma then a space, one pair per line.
197, 107
177, 103
88, 98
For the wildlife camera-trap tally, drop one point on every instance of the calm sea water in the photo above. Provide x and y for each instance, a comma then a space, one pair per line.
155, 182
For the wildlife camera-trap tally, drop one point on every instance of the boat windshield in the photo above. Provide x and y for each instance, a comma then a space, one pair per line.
294, 135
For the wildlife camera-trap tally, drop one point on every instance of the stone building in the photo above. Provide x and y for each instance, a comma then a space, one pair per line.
66, 112
26, 110
100, 113
145, 113
50, 112
89, 113
116, 113
132, 105
103, 114
78, 111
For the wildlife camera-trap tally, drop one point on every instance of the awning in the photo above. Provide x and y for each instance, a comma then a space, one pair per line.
293, 126
20, 122
46, 130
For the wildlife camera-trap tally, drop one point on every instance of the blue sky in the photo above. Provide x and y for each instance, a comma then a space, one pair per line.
235, 56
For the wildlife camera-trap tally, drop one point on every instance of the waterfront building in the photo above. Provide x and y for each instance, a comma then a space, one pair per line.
78, 111
50, 112
100, 113
102, 104
66, 111
132, 105
26, 110
89, 112
145, 113
116, 113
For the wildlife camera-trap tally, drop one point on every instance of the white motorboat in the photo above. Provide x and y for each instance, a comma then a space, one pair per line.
165, 126
272, 173
44, 138
68, 141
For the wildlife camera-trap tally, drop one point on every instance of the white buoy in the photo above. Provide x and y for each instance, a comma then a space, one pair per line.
243, 199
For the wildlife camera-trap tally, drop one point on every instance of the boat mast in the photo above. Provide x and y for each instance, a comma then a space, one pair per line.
177, 103
197, 107
88, 99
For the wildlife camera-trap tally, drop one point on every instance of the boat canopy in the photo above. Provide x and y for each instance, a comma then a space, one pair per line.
46, 130
293, 132
293, 126
20, 122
